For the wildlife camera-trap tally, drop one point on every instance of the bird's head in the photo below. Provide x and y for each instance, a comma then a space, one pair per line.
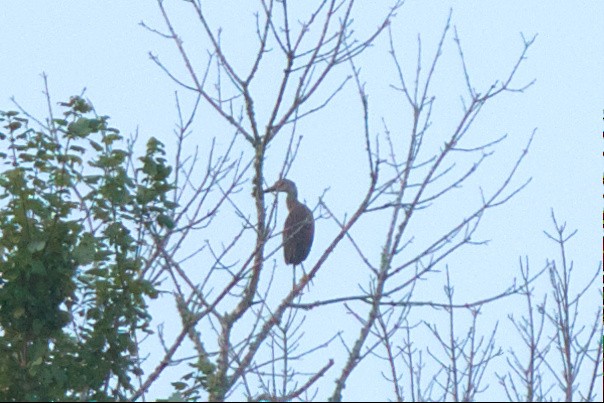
283, 185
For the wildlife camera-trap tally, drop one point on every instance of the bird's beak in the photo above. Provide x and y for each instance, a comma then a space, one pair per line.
271, 189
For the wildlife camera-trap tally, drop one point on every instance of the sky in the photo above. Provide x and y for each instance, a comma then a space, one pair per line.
100, 46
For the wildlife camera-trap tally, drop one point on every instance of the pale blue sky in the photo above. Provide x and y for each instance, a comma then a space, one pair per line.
99, 45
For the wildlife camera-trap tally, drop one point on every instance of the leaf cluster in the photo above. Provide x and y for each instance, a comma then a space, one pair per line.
76, 214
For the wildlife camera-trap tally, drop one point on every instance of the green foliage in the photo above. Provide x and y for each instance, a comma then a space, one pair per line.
74, 220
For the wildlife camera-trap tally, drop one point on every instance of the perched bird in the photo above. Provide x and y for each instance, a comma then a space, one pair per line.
299, 226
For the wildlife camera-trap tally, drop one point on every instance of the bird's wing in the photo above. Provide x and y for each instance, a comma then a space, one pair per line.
298, 234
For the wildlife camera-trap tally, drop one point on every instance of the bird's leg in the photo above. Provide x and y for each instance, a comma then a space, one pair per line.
294, 278
304, 275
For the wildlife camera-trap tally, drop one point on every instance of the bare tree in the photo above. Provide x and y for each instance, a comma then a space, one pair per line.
248, 333
560, 347
230, 295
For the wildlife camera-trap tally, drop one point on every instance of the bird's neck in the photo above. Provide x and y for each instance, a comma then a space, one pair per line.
291, 201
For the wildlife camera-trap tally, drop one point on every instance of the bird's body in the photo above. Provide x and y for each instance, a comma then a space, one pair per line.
299, 229
298, 233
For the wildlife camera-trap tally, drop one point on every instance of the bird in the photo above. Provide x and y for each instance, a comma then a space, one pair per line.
299, 228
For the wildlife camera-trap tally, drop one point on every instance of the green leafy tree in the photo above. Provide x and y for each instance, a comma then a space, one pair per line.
78, 211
